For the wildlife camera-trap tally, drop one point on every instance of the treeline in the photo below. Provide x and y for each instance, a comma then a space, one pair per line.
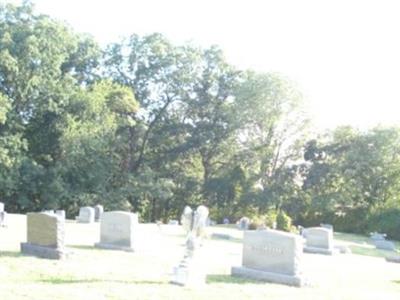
149, 126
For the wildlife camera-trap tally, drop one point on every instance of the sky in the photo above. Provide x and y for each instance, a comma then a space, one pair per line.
344, 55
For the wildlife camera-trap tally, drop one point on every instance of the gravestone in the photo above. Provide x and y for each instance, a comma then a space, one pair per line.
191, 270
3, 215
384, 244
318, 240
273, 256
45, 236
86, 215
117, 230
393, 258
61, 213
98, 211
244, 223
327, 226
186, 219
376, 236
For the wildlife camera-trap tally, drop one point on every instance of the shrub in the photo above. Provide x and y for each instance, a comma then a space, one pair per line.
385, 221
283, 222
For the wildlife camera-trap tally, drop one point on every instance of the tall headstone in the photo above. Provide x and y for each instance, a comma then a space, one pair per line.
273, 256
98, 211
45, 236
190, 272
318, 240
3, 215
244, 223
186, 219
117, 230
86, 215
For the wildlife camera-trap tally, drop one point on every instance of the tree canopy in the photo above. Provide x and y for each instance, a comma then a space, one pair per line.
150, 126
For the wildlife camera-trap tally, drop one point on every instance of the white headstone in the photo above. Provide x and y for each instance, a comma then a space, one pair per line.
117, 230
273, 256
318, 240
191, 270
1, 206
60, 213
86, 215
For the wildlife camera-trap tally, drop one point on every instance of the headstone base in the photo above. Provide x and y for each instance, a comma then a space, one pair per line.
113, 247
395, 259
43, 252
316, 250
268, 276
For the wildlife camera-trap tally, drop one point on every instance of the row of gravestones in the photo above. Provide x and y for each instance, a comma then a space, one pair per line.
268, 255
89, 214
46, 233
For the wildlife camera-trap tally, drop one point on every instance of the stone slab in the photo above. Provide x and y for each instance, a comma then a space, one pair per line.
385, 245
272, 251
393, 258
117, 230
318, 237
43, 252
292, 280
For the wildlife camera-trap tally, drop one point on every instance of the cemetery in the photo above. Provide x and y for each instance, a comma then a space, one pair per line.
254, 264
199, 150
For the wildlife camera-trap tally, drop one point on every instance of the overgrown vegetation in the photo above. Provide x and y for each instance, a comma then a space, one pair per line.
150, 126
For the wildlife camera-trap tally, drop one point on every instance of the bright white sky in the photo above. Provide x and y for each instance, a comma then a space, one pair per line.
343, 54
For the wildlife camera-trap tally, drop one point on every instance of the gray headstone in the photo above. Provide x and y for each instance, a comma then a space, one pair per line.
117, 230
273, 256
86, 215
318, 240
375, 236
98, 211
45, 236
385, 245
393, 258
3, 218
244, 223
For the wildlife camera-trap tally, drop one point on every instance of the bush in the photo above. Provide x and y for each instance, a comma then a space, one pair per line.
283, 222
385, 221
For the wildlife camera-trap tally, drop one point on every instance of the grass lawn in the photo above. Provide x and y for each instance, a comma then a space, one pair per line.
103, 274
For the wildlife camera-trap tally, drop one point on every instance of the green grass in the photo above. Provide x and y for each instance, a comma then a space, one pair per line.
91, 273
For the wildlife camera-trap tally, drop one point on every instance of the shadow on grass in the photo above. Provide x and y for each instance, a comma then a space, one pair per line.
371, 251
10, 254
396, 281
224, 278
55, 280
83, 247
225, 238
